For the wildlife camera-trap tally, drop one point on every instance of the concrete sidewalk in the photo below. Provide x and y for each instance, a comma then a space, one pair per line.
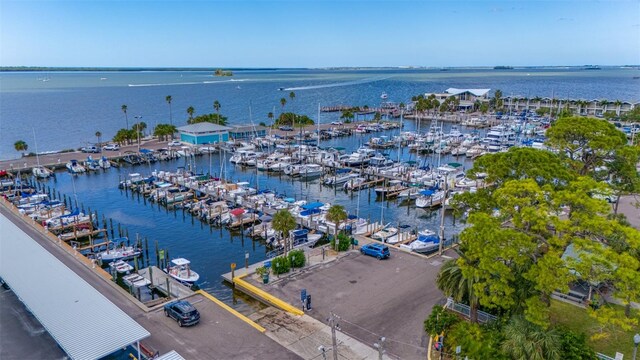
304, 335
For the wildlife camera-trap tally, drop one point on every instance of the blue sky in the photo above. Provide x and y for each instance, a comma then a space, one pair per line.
308, 33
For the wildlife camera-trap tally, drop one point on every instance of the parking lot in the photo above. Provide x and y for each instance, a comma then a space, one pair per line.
371, 297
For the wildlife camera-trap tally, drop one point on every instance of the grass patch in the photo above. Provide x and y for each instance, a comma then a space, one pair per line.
577, 319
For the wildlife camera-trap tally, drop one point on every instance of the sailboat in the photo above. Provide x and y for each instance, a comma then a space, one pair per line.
39, 171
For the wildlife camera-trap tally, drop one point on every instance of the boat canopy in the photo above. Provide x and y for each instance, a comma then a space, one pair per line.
343, 171
313, 205
146, 151
454, 164
237, 212
180, 262
426, 192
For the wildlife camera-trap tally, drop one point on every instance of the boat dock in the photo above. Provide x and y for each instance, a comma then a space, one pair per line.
164, 283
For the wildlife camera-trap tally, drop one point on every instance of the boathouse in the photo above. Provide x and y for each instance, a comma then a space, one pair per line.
203, 133
243, 132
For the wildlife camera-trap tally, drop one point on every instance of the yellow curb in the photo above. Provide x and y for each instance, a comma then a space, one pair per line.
229, 309
266, 296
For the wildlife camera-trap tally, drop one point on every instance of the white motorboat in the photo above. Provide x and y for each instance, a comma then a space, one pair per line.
354, 183
427, 241
385, 233
181, 271
429, 198
119, 253
74, 167
135, 280
310, 171
104, 163
121, 266
41, 172
339, 179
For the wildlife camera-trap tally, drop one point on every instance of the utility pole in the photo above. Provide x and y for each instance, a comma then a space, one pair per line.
334, 342
380, 346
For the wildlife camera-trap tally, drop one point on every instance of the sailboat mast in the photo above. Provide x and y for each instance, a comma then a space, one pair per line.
318, 125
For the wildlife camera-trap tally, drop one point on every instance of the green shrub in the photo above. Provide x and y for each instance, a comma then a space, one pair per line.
280, 265
439, 320
574, 345
344, 241
297, 258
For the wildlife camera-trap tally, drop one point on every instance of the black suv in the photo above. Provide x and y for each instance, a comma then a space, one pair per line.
183, 312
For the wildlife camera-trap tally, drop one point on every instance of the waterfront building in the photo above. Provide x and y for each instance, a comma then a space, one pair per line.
243, 132
203, 133
466, 97
577, 106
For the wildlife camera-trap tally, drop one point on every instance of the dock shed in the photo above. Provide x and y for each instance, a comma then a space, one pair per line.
204, 133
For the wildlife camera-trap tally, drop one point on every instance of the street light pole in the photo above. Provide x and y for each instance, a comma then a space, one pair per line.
138, 117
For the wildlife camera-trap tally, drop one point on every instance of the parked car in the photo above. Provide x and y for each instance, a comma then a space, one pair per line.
378, 251
111, 147
174, 143
336, 123
90, 149
286, 128
183, 312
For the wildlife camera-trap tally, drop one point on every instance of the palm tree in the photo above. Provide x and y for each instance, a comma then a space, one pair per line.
168, 99
126, 118
283, 102
283, 222
336, 214
270, 116
526, 341
217, 106
190, 111
452, 283
21, 146
99, 135
618, 104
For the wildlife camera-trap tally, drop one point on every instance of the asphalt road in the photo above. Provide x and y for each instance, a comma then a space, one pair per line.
220, 335
373, 298
21, 335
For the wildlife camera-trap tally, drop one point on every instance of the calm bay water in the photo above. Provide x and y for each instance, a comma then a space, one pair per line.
68, 108
211, 249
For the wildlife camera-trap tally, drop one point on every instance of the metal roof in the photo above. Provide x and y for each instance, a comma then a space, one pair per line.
83, 322
202, 127
476, 92
172, 355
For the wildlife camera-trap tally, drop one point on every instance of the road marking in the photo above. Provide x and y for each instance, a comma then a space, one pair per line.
266, 296
233, 311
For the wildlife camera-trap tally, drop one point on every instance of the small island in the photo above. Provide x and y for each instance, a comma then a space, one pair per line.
220, 72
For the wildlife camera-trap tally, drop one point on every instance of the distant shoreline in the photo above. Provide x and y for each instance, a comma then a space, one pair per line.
212, 69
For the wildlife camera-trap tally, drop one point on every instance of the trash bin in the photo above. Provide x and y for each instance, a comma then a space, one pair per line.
265, 278
354, 242
308, 302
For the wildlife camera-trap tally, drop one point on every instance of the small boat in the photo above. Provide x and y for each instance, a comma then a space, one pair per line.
385, 233
41, 172
427, 241
310, 171
121, 266
104, 163
135, 280
181, 271
119, 253
74, 167
429, 198
383, 96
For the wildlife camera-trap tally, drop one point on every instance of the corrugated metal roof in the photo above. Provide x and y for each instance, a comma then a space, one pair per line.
202, 127
85, 324
172, 355
476, 92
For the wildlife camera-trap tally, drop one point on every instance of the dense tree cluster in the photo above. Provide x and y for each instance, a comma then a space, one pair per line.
544, 225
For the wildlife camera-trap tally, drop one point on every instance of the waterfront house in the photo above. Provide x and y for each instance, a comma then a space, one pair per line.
244, 132
203, 133
596, 107
466, 97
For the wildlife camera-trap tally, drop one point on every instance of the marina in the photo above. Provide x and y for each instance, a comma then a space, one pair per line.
167, 219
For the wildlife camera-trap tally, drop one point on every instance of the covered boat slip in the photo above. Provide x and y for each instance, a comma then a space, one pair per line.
82, 321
